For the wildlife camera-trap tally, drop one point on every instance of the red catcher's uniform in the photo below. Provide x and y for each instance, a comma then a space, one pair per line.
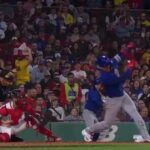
28, 105
19, 122
14, 114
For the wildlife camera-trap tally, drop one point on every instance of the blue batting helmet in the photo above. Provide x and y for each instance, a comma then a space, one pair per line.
97, 81
103, 61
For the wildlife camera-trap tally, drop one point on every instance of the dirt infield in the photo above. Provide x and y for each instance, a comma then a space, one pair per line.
61, 144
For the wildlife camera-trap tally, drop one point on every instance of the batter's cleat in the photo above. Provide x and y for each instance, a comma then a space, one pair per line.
140, 139
147, 140
87, 136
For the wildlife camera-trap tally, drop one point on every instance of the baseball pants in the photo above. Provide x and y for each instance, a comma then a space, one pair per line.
90, 119
113, 105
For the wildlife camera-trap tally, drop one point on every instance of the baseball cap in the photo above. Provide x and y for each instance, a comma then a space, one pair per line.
14, 38
131, 45
49, 60
57, 55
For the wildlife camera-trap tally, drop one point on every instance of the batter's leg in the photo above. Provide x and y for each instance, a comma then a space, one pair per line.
90, 119
111, 109
129, 106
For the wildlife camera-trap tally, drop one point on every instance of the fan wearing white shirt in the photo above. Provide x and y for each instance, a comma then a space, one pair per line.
65, 70
78, 72
57, 111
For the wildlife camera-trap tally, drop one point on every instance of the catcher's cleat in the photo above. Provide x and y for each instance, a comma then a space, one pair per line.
53, 139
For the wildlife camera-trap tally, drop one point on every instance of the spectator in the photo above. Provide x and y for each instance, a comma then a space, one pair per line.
136, 88
75, 35
37, 74
3, 24
70, 93
57, 111
38, 88
53, 16
21, 65
21, 88
82, 17
75, 51
49, 67
146, 56
145, 96
49, 96
1, 64
48, 52
48, 82
74, 115
40, 102
41, 42
28, 6
140, 105
144, 114
34, 49
147, 75
83, 48
79, 74
124, 26
68, 18
135, 4
65, 70
92, 37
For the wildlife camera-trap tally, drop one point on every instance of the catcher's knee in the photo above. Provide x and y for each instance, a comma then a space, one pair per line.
4, 137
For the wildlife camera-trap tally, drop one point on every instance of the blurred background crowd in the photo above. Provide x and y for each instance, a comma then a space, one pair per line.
48, 50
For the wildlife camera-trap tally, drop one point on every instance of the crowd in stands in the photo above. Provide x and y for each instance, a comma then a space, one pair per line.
48, 50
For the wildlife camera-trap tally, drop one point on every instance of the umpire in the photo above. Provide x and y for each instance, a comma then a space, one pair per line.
93, 107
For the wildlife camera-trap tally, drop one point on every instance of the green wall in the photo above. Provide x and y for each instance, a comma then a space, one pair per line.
71, 131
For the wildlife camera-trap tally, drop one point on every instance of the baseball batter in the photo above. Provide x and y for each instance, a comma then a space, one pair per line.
116, 99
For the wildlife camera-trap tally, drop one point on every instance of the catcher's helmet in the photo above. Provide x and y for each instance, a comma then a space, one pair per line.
103, 61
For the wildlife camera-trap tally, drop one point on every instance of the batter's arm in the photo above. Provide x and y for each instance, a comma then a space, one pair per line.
112, 79
94, 97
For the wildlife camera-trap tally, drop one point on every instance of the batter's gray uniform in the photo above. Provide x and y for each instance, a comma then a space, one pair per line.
117, 99
113, 105
89, 117
93, 110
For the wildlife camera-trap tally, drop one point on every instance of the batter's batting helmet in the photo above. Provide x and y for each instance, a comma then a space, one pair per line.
103, 61
97, 81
